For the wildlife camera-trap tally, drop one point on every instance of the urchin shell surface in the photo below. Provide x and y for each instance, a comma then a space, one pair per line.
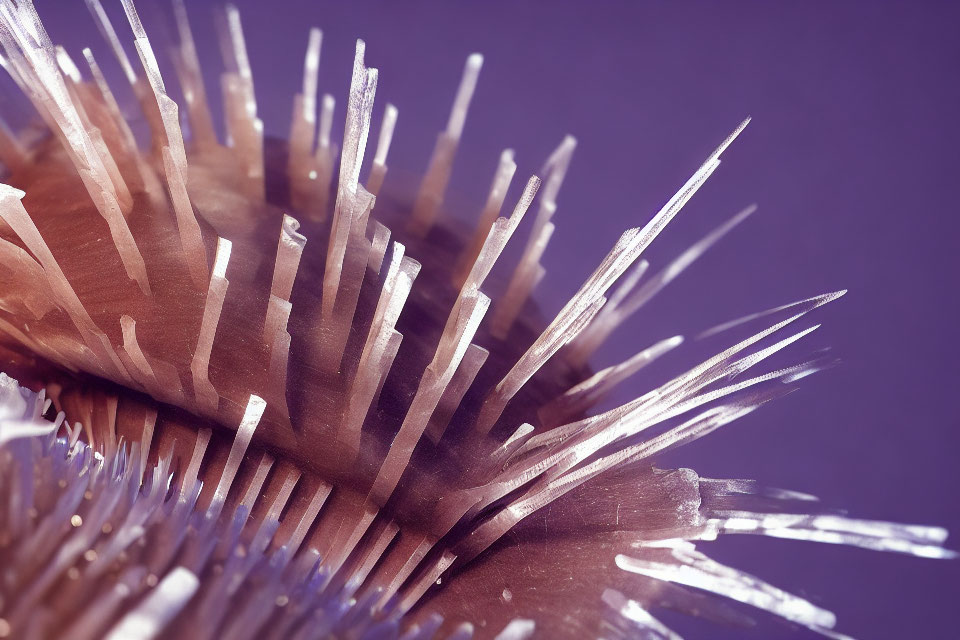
255, 396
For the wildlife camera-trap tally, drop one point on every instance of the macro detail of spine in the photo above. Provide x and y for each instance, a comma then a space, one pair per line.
262, 398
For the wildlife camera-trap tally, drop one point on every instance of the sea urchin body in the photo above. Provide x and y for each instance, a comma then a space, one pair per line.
287, 408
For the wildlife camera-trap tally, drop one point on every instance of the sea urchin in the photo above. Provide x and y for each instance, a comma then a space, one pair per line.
392, 423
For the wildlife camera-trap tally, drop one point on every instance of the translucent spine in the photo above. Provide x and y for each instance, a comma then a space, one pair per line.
379, 169
191, 79
462, 324
33, 57
506, 169
289, 250
348, 248
245, 129
248, 424
173, 153
103, 357
434, 184
204, 392
303, 127
585, 304
155, 612
321, 176
134, 359
127, 138
631, 301
379, 349
530, 271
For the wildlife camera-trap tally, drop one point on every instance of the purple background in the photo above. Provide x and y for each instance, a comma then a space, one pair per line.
851, 157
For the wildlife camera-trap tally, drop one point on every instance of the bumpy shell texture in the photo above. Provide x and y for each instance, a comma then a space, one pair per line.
247, 394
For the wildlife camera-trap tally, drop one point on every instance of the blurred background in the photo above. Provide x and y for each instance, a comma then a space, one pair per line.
851, 157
